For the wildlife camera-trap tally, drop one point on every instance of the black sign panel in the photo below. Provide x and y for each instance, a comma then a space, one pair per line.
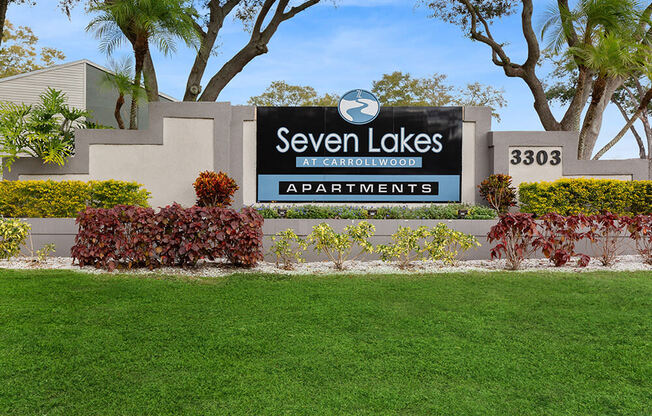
311, 154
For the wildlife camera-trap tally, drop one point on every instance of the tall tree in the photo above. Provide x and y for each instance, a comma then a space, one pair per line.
141, 22
282, 94
402, 89
570, 31
395, 89
121, 80
263, 17
20, 54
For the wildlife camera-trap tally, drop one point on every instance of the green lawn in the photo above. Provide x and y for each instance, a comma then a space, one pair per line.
465, 344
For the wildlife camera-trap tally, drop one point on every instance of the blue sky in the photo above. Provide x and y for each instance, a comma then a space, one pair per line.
334, 49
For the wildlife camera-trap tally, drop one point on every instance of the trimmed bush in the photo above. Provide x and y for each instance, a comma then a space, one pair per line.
52, 199
587, 196
13, 234
429, 212
128, 236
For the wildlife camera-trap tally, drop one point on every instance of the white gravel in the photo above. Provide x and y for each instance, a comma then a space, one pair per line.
219, 269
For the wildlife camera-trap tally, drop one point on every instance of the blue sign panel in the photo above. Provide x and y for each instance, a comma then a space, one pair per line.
326, 154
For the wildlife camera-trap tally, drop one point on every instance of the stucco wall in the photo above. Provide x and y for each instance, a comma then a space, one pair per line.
183, 140
503, 143
186, 138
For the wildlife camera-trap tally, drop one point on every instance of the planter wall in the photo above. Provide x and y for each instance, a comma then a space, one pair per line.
62, 231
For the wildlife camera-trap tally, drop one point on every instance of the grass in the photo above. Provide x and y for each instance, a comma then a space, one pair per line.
465, 344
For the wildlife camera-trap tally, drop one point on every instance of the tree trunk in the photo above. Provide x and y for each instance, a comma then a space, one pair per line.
140, 59
572, 119
118, 116
644, 103
603, 90
231, 69
648, 133
541, 104
639, 141
149, 75
201, 60
3, 15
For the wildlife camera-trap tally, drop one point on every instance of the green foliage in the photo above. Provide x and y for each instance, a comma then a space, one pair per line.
407, 246
13, 234
288, 248
280, 93
45, 252
142, 23
45, 199
338, 247
44, 131
392, 90
446, 245
429, 212
587, 196
438, 243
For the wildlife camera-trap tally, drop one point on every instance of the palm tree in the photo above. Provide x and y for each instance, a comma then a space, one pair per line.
142, 22
604, 39
122, 80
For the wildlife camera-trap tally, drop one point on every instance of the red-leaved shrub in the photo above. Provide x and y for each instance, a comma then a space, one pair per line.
214, 189
640, 230
558, 236
605, 233
515, 234
127, 236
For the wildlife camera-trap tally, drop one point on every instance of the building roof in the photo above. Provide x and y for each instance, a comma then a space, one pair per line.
81, 61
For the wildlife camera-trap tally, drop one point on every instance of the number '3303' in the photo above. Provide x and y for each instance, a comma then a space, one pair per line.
541, 157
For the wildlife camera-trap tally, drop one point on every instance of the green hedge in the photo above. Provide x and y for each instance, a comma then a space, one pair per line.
587, 196
52, 199
430, 212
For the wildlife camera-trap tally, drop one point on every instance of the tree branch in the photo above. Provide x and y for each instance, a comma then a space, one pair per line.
298, 9
644, 103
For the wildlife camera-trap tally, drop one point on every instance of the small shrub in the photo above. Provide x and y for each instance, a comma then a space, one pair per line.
587, 196
338, 247
558, 236
214, 189
45, 130
13, 234
498, 191
127, 236
288, 248
45, 252
640, 230
605, 232
439, 243
515, 234
61, 199
446, 245
407, 246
